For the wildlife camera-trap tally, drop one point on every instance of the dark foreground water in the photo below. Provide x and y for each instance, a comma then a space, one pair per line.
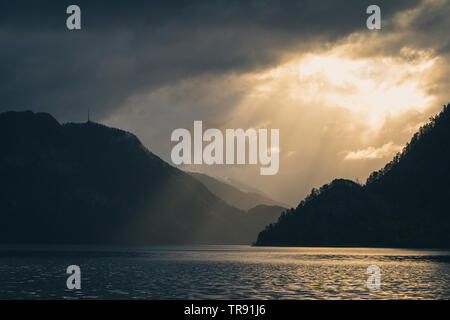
223, 272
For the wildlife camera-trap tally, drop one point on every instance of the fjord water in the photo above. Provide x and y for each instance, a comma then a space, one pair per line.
222, 272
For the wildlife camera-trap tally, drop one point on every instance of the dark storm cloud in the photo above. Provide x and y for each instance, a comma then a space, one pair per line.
127, 48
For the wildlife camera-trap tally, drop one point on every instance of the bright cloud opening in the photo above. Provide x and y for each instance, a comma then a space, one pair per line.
374, 88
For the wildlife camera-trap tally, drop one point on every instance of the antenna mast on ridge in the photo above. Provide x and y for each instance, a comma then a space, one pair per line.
89, 120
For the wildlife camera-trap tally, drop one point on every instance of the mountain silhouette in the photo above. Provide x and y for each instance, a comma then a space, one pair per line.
244, 200
88, 183
405, 204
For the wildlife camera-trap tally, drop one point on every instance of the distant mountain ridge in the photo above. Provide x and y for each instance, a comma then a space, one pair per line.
234, 196
88, 183
405, 204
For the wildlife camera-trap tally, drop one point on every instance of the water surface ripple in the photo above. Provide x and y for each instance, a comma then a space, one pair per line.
222, 272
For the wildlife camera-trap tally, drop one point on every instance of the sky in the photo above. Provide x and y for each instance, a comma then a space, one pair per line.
345, 98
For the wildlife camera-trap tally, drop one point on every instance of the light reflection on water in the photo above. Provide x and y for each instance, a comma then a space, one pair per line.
223, 272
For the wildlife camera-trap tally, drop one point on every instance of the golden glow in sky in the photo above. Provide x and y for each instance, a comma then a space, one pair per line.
373, 88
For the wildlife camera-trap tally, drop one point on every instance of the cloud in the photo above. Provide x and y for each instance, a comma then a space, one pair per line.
125, 50
387, 150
